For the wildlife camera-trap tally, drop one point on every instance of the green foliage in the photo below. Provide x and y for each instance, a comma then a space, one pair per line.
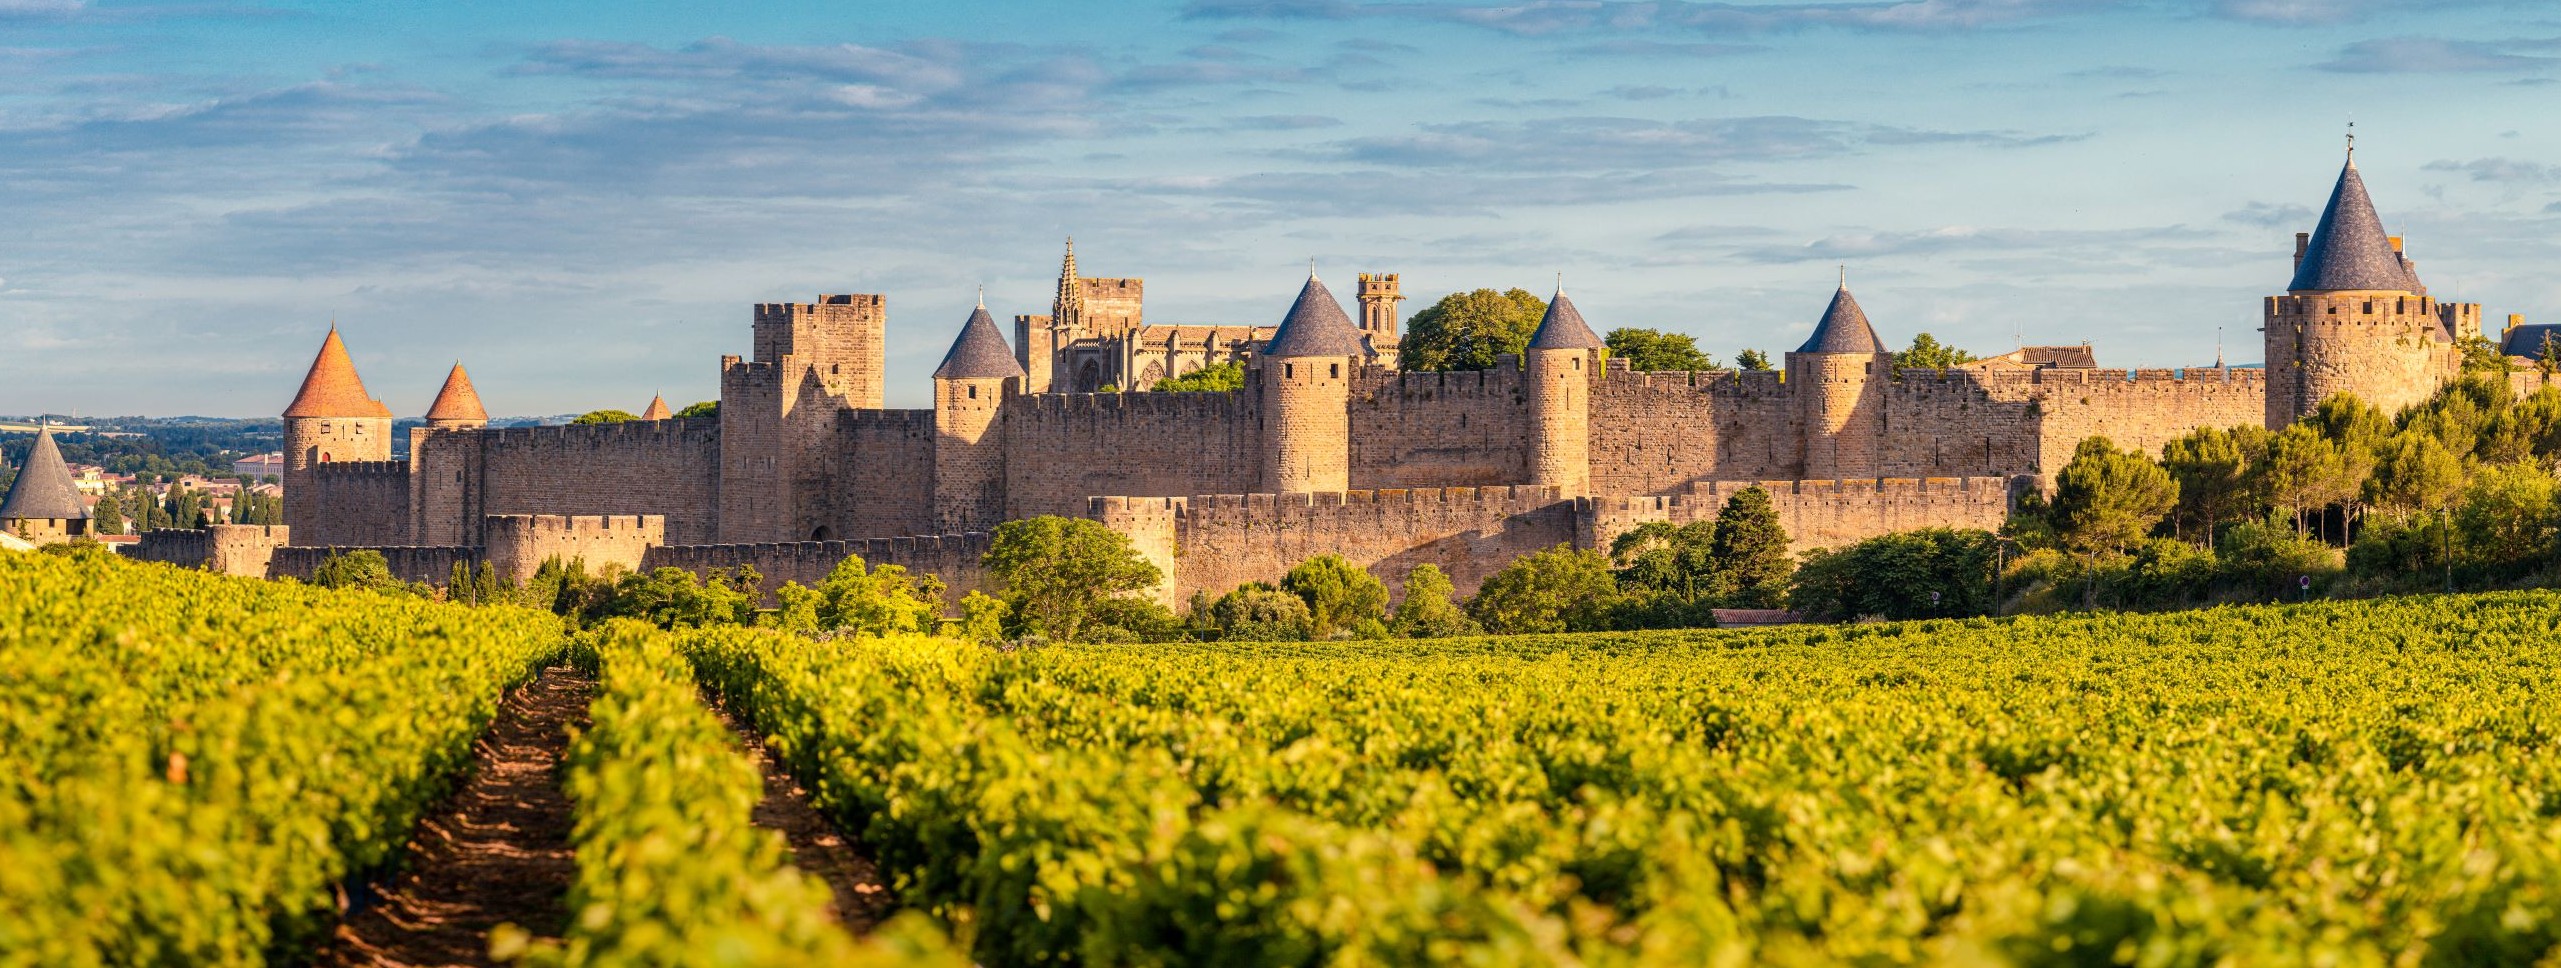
2414, 472
879, 601
1468, 330
1339, 595
106, 517
1752, 360
1672, 576
2482, 356
1930, 573
675, 598
1056, 572
1927, 353
1427, 611
1224, 377
2107, 499
1256, 612
2210, 467
982, 619
2508, 517
706, 408
365, 570
604, 417
191, 766
1750, 551
1655, 351
1561, 589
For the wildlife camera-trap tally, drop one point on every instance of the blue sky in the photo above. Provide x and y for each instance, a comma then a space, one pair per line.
582, 201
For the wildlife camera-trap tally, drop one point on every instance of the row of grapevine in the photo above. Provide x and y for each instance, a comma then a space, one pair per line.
2361, 783
191, 766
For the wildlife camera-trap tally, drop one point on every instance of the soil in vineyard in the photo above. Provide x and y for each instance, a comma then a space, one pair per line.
862, 896
497, 851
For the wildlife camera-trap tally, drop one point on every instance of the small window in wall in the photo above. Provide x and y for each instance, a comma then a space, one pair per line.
1335, 371
822, 534
1289, 370
324, 457
1578, 362
973, 393
324, 426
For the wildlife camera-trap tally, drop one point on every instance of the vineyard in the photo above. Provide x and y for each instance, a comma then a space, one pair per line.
197, 768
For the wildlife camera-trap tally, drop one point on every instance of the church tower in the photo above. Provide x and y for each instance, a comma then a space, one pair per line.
2356, 319
1834, 380
1563, 354
331, 420
970, 388
1305, 376
1379, 294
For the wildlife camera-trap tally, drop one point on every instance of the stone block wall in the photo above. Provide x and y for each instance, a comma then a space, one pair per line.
519, 543
887, 457
1654, 433
1220, 541
239, 550
432, 565
665, 468
1062, 449
2141, 410
1816, 514
1439, 429
352, 503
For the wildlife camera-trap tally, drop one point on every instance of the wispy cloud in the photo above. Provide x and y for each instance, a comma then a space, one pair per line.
2110, 245
1607, 143
2431, 55
1544, 17
2500, 170
2268, 215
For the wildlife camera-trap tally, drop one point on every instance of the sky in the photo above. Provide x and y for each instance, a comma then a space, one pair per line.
582, 202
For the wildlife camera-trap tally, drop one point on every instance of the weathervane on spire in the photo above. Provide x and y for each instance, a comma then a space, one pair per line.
982, 295
2351, 141
1845, 275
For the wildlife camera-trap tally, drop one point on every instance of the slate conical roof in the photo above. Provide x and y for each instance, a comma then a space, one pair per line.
332, 388
1563, 328
457, 401
1844, 328
1316, 326
979, 353
44, 490
2348, 249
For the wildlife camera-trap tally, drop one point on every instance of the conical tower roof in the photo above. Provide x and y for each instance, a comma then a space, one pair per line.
457, 401
979, 353
1316, 326
44, 489
657, 408
2349, 249
332, 388
1563, 328
1844, 328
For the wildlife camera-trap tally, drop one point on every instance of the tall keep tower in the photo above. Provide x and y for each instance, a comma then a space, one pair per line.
331, 420
1563, 354
1834, 379
778, 412
1379, 295
2356, 318
970, 388
1305, 376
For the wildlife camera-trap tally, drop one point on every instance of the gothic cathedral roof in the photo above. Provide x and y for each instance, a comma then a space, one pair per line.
1844, 328
44, 490
457, 401
332, 389
1563, 328
979, 353
2348, 249
1316, 326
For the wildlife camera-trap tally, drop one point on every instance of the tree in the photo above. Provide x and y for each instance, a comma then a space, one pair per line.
2509, 516
107, 517
1561, 589
1339, 595
1750, 552
1655, 351
2304, 472
707, 408
1055, 570
1215, 378
2482, 356
1752, 360
877, 601
2210, 470
1930, 573
604, 417
982, 619
2106, 498
1927, 353
2414, 473
1427, 611
674, 598
1256, 612
355, 569
1468, 330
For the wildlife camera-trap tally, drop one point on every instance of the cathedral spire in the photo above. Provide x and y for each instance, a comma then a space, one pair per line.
1069, 307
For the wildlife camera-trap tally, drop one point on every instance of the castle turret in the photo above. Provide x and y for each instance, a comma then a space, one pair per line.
970, 388
457, 406
1563, 354
2355, 318
1305, 375
331, 420
1379, 295
43, 505
657, 409
1834, 379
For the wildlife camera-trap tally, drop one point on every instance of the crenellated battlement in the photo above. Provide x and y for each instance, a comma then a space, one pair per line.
1071, 406
362, 468
519, 543
600, 435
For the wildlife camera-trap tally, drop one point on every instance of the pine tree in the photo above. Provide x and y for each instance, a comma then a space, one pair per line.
1750, 551
108, 516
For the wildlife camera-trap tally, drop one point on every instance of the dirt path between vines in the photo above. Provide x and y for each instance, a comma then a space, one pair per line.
862, 895
496, 851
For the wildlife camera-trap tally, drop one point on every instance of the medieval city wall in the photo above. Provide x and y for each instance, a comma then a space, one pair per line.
2141, 410
952, 558
1654, 433
1216, 542
1466, 428
1061, 449
518, 544
355, 503
239, 550
1816, 514
432, 565
886, 487
1948, 424
667, 468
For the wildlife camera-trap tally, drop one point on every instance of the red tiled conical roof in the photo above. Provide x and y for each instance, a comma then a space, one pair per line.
332, 388
457, 401
657, 409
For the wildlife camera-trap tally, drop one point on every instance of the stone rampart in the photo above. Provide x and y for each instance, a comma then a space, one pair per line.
1817, 514
887, 457
1219, 541
1654, 433
1418, 429
1066, 447
432, 565
240, 550
662, 468
355, 503
519, 543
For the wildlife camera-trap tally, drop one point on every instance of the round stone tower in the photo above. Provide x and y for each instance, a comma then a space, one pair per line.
1834, 379
2356, 319
970, 388
1563, 354
457, 406
1305, 379
331, 420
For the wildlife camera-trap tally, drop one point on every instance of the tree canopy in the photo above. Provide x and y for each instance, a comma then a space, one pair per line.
1926, 352
1224, 377
1468, 330
605, 417
1655, 351
1058, 572
1561, 589
2107, 499
1427, 611
1752, 360
1339, 595
707, 408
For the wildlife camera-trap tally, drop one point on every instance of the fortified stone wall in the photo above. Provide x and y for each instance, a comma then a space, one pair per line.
1062, 449
1950, 424
1219, 541
1654, 433
239, 550
1439, 429
953, 558
2141, 411
519, 543
1816, 514
432, 565
354, 503
887, 488
663, 468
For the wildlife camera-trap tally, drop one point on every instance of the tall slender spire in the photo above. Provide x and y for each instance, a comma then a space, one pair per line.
1071, 294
